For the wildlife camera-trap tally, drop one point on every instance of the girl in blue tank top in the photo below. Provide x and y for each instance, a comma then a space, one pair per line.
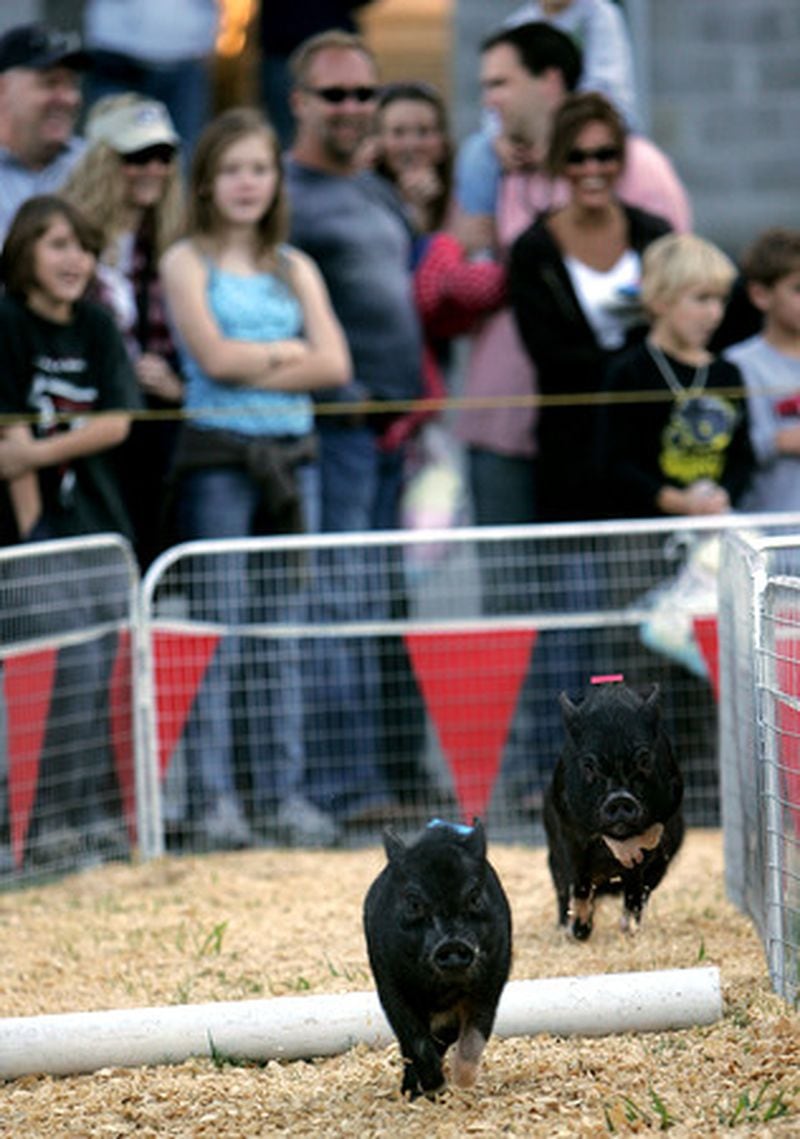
257, 335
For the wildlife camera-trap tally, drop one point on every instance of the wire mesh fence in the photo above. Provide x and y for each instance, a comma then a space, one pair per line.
310, 690
320, 687
67, 765
760, 741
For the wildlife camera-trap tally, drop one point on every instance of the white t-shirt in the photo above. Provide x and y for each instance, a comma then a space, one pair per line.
608, 299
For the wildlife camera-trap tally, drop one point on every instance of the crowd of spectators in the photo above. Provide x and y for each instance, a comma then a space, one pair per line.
274, 278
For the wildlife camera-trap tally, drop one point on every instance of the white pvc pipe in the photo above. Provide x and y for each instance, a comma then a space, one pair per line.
291, 1028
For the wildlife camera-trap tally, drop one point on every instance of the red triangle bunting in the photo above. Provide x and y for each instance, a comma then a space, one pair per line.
470, 682
181, 660
788, 722
705, 634
27, 686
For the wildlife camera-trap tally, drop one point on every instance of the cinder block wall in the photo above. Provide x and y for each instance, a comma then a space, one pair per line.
726, 104
721, 86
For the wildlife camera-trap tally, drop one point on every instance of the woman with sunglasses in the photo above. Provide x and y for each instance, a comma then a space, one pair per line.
573, 279
128, 184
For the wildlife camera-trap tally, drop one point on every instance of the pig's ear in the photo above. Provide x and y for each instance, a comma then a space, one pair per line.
569, 711
476, 841
393, 845
652, 705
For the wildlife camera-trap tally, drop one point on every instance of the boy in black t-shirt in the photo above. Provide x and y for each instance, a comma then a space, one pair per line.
688, 452
63, 361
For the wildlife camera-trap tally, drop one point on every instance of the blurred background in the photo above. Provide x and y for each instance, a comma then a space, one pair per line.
719, 83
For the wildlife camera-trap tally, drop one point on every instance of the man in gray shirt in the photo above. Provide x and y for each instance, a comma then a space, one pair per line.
350, 221
40, 100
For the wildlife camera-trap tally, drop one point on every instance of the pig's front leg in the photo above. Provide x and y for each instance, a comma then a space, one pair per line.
477, 1021
582, 907
467, 1056
422, 1073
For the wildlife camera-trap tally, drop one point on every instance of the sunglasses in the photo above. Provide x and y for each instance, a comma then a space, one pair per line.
579, 157
335, 95
162, 152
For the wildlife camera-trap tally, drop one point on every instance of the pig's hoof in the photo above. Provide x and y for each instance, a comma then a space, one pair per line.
630, 922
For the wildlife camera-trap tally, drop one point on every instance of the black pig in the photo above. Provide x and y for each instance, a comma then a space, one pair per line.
438, 929
613, 808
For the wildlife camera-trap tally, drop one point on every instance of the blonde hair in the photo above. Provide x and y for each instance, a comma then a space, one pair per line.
680, 261
97, 186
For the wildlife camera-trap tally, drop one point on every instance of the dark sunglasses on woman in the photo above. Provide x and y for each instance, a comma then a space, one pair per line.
161, 152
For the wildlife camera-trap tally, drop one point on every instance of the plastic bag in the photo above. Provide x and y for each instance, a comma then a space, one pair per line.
434, 494
673, 605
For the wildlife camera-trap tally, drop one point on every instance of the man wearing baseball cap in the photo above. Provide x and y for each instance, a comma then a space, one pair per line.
40, 100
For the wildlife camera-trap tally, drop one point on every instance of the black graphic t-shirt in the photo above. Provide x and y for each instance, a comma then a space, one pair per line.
668, 439
696, 439
48, 370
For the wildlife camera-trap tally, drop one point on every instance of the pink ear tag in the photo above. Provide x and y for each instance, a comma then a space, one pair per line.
607, 678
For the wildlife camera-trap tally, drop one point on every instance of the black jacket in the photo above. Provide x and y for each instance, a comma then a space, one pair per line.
568, 360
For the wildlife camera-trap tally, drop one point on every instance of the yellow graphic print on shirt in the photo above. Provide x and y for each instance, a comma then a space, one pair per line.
695, 441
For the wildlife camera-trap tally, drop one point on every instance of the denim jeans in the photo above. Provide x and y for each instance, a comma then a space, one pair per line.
224, 503
344, 691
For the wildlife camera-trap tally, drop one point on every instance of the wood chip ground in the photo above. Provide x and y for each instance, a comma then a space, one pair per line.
271, 923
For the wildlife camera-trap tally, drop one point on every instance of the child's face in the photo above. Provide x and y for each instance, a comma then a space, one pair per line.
690, 319
62, 268
246, 180
410, 135
780, 303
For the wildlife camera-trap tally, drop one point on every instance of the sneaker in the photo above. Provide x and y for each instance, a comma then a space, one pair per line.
107, 838
301, 823
224, 827
55, 846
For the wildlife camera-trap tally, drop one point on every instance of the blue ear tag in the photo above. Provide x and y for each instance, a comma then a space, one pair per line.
459, 828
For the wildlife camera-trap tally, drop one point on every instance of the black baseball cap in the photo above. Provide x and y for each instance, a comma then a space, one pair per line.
40, 48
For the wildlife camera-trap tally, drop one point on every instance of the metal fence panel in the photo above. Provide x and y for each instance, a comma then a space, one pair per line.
385, 677
760, 740
67, 767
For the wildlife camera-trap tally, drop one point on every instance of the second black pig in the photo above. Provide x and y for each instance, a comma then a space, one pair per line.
438, 929
613, 808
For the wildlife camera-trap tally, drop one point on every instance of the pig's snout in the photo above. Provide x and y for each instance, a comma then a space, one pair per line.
621, 811
453, 955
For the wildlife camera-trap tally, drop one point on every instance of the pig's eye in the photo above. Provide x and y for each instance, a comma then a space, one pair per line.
414, 907
474, 900
643, 760
591, 767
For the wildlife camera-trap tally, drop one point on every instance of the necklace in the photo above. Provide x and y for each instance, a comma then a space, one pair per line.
669, 377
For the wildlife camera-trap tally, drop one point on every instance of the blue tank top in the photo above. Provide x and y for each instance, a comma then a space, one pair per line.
259, 307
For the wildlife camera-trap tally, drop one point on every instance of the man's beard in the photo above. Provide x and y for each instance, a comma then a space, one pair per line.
342, 150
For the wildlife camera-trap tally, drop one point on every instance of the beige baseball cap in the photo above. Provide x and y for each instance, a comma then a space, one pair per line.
133, 126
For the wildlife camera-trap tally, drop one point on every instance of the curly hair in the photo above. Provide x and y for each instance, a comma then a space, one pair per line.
96, 184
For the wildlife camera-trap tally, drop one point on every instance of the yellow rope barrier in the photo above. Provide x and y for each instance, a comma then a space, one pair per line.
399, 407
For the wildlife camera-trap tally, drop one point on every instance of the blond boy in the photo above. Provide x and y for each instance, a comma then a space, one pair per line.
682, 446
